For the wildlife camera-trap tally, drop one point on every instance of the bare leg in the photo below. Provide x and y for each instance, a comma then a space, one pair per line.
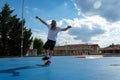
46, 58
50, 53
46, 52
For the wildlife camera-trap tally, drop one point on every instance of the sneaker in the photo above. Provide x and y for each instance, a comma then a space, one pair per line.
48, 63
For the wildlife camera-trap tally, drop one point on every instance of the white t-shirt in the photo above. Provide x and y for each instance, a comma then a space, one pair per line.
52, 34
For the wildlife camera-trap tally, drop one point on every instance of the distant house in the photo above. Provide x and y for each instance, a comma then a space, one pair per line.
77, 49
111, 50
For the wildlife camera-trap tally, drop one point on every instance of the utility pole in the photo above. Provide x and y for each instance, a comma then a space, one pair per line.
22, 29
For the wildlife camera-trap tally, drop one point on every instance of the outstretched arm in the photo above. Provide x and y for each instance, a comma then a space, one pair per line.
64, 29
41, 20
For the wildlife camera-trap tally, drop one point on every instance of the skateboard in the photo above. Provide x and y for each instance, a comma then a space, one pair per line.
46, 61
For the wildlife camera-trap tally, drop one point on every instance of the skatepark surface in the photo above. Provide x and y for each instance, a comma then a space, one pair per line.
61, 68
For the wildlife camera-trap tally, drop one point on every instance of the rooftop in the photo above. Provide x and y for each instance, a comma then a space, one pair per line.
112, 47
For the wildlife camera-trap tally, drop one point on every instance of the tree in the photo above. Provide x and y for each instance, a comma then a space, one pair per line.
27, 39
5, 18
38, 44
15, 36
10, 34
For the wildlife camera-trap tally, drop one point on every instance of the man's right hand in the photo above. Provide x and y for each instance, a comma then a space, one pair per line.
37, 17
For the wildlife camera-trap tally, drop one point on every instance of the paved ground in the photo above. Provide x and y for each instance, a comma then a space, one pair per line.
62, 68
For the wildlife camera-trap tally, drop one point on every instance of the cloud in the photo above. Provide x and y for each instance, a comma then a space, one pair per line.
85, 33
84, 29
108, 9
65, 4
93, 30
36, 9
39, 34
65, 38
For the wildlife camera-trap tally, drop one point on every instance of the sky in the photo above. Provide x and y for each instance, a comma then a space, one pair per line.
92, 21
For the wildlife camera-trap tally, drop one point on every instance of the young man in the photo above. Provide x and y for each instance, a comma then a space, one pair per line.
51, 38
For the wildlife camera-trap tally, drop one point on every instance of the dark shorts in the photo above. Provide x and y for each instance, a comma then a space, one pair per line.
45, 58
49, 45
